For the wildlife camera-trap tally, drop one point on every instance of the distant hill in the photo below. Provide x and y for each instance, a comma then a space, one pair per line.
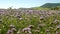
49, 5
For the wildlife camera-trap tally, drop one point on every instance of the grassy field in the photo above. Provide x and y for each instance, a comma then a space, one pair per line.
43, 21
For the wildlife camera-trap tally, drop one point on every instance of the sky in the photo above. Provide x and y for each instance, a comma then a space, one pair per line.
24, 3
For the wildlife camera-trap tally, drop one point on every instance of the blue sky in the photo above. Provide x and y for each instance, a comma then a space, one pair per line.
24, 3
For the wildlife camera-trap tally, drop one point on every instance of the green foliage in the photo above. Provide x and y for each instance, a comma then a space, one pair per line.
55, 8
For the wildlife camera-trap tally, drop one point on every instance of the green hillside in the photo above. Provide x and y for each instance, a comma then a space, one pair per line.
48, 6
51, 5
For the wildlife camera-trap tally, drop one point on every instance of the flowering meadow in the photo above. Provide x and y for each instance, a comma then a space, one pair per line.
15, 21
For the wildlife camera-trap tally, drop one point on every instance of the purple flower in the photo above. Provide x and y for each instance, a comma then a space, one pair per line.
13, 29
12, 26
9, 32
47, 30
41, 17
58, 26
26, 30
20, 18
55, 21
57, 32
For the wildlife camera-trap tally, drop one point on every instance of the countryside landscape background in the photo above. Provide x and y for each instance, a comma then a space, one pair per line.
44, 19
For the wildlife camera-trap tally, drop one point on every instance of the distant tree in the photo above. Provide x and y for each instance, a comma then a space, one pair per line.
54, 8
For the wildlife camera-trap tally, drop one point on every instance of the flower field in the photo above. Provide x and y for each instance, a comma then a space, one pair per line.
14, 21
